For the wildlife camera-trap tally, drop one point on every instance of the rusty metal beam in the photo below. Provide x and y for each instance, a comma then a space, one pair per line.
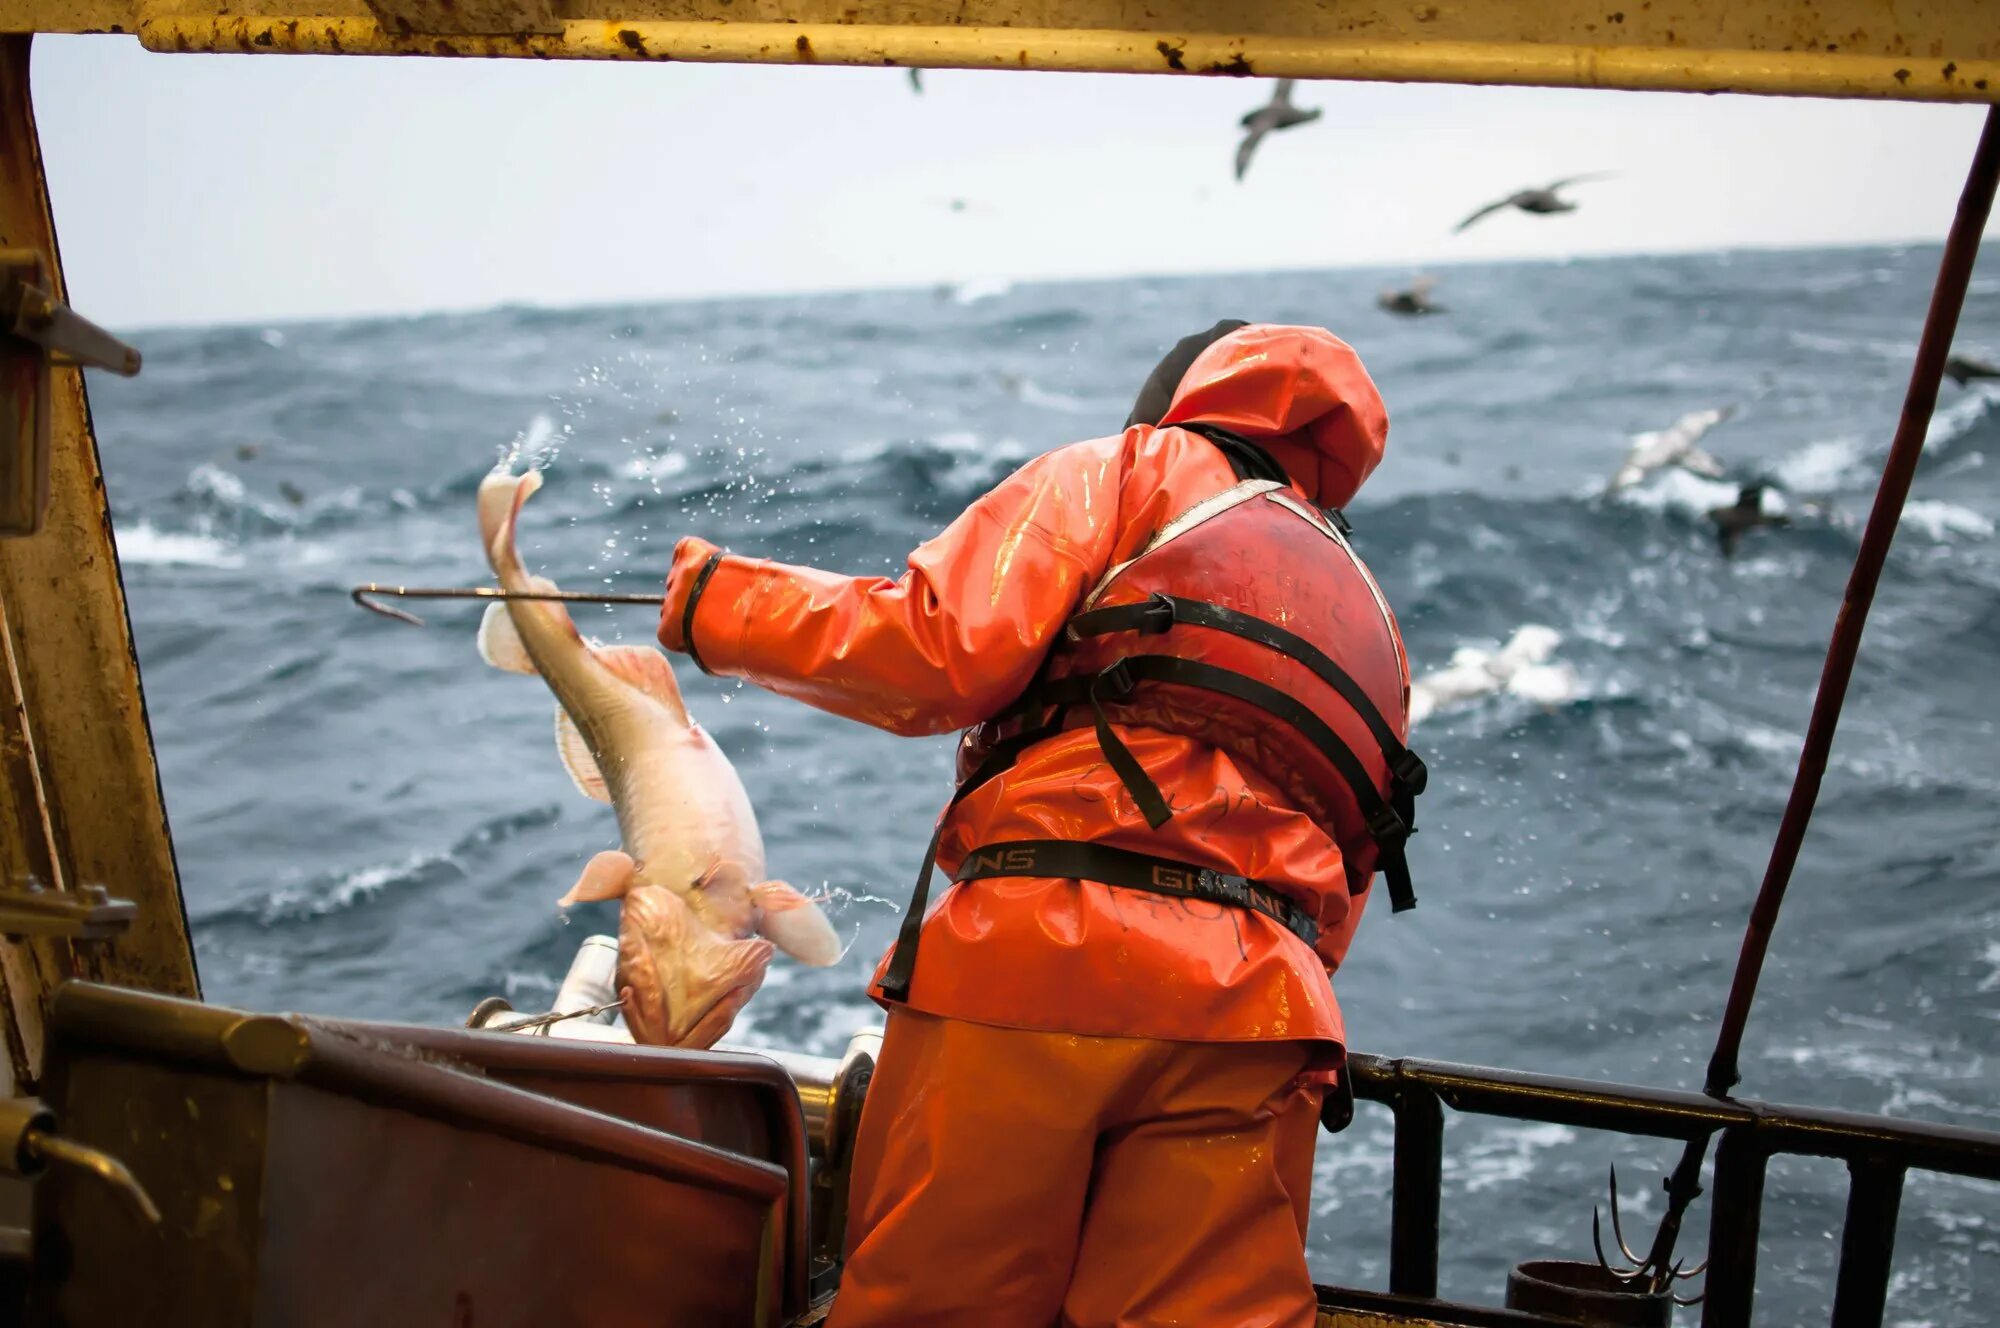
81, 786
1945, 50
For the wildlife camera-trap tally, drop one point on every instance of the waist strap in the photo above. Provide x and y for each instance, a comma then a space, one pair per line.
1063, 859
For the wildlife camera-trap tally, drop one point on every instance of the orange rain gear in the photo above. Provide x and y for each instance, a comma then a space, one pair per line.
1134, 1182
961, 633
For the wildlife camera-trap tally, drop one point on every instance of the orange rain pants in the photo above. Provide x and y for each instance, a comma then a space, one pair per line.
1138, 1182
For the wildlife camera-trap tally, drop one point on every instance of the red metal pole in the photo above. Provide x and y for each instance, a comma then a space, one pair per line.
1947, 298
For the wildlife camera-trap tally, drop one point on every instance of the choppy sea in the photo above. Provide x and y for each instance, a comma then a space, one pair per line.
372, 823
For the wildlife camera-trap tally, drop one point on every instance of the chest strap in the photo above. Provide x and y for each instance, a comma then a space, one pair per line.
1063, 860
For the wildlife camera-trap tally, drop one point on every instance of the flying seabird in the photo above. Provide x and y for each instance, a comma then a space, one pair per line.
1534, 200
1675, 445
1413, 300
1964, 368
1278, 113
1731, 523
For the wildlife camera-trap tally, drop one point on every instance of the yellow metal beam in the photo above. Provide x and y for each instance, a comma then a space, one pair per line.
1942, 50
82, 794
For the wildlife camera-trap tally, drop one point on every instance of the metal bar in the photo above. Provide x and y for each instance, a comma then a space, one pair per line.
1677, 1114
1732, 1234
1947, 298
1867, 1243
363, 595
1419, 1180
1403, 44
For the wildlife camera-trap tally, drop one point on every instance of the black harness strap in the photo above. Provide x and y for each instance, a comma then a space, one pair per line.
1162, 611
1068, 860
903, 963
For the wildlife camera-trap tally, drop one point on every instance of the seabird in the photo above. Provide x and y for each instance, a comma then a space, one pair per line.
1278, 113
1746, 515
1413, 300
1534, 200
1672, 446
1964, 368
292, 493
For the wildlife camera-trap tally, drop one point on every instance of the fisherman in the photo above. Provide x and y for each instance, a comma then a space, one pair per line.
1097, 1103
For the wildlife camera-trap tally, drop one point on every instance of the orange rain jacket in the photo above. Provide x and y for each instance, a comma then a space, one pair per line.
959, 635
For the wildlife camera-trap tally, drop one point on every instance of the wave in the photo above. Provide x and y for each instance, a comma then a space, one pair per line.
140, 543
318, 897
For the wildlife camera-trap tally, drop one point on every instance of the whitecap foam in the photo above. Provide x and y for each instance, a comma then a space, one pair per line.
980, 288
1035, 395
1818, 467
1506, 1156
1961, 417
145, 546
1676, 490
1940, 521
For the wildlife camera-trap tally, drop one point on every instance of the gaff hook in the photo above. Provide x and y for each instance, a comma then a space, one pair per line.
363, 596
1647, 1269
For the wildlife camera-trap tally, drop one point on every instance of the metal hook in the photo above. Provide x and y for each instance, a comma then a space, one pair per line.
1649, 1269
363, 596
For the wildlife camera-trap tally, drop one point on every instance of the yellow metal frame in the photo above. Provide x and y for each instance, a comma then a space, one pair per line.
80, 796
1942, 50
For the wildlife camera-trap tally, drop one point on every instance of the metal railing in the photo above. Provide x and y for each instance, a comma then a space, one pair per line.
1878, 1152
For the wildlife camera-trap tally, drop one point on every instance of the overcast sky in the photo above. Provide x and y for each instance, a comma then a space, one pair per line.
198, 188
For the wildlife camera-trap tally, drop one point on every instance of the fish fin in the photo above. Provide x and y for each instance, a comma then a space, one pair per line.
795, 923
647, 669
576, 759
1701, 463
500, 644
606, 876
500, 497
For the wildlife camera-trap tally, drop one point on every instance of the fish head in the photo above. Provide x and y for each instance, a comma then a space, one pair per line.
682, 983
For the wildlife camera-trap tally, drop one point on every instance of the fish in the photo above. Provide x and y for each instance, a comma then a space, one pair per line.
1676, 445
699, 920
1519, 667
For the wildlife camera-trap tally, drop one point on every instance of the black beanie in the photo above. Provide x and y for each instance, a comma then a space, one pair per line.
1165, 380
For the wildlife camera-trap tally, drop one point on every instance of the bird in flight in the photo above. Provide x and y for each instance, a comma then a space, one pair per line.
1278, 113
1534, 200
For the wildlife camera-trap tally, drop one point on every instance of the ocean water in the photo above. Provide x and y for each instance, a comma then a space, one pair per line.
372, 823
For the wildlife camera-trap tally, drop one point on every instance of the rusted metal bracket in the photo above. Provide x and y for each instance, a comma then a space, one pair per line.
38, 331
89, 914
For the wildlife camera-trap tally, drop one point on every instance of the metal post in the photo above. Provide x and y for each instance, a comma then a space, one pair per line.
1947, 298
1419, 1179
1867, 1243
1732, 1234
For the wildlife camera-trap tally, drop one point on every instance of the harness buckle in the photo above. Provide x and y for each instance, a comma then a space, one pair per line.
1114, 683
1158, 615
1409, 771
1386, 828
